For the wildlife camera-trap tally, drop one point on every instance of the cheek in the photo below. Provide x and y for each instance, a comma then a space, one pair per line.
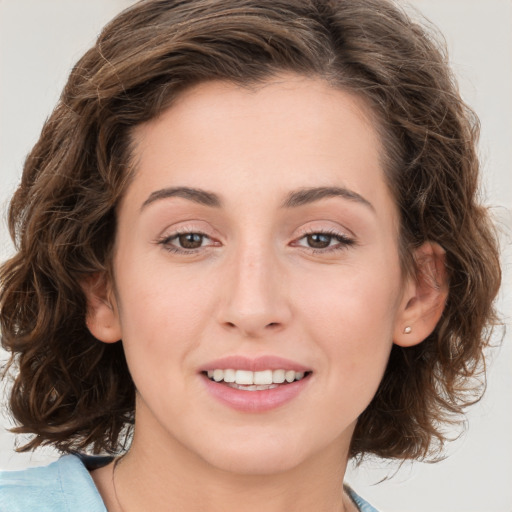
162, 318
352, 316
162, 312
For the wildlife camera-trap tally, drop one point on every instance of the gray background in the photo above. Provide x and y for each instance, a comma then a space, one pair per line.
41, 39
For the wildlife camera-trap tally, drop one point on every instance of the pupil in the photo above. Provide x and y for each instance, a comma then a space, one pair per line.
191, 240
319, 240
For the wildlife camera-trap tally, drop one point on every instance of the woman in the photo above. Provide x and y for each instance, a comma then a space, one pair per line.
249, 250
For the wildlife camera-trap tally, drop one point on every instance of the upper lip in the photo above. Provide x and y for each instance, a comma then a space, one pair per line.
257, 364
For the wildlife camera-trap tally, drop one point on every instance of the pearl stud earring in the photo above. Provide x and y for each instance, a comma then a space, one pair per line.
408, 330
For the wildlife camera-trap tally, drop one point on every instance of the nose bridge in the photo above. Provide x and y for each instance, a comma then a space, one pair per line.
255, 301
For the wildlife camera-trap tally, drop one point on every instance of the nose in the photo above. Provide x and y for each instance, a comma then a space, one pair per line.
255, 302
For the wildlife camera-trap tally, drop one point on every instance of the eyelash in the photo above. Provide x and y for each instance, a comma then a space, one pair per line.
166, 242
343, 242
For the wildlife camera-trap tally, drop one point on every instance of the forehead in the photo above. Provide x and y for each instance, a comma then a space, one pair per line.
286, 133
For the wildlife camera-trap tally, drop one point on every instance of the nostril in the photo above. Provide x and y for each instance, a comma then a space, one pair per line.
251, 327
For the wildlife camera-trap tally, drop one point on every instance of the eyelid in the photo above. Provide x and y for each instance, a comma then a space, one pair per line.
180, 228
167, 243
344, 240
329, 232
326, 227
171, 233
344, 236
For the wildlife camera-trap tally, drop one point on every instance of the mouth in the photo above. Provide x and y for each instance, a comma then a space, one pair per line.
255, 384
247, 380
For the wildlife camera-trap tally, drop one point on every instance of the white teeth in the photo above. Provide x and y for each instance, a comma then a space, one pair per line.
229, 375
244, 377
253, 387
278, 376
264, 377
248, 378
289, 376
218, 375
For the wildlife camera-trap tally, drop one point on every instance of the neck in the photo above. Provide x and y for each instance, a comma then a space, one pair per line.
174, 480
254, 471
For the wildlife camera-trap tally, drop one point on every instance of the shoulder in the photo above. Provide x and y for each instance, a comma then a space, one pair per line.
64, 485
362, 505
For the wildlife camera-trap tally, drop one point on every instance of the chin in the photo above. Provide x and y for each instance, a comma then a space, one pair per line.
256, 465
253, 458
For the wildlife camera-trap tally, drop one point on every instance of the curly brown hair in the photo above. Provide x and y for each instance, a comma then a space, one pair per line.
75, 392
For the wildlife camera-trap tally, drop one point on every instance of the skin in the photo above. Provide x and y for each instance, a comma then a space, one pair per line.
253, 287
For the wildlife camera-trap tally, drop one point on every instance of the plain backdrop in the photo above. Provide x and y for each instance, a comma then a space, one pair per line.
41, 39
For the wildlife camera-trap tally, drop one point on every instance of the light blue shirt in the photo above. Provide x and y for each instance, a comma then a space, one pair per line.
67, 486
63, 486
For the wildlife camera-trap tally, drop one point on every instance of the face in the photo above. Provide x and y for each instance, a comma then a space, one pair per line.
257, 243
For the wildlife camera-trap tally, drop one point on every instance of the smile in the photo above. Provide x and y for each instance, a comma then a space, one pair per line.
255, 385
255, 381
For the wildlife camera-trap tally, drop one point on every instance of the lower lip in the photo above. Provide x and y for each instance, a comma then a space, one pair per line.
255, 401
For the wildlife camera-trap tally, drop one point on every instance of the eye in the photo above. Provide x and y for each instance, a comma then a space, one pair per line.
319, 240
186, 242
324, 241
190, 240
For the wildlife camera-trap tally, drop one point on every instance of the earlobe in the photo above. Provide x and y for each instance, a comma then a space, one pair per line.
424, 297
102, 318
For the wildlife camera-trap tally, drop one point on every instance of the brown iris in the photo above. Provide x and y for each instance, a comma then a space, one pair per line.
319, 240
190, 240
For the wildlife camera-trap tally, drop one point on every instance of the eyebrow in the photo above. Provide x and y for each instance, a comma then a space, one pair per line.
293, 200
192, 194
310, 195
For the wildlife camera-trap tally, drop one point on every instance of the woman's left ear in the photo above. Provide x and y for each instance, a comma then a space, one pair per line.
424, 297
